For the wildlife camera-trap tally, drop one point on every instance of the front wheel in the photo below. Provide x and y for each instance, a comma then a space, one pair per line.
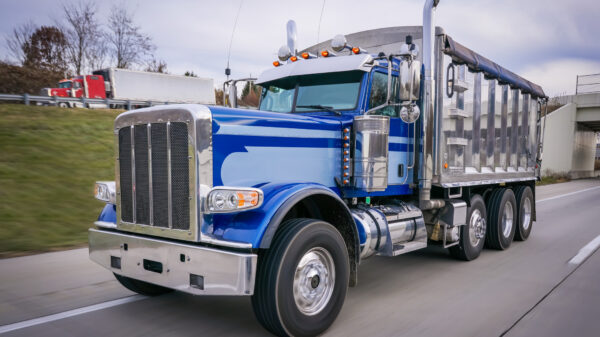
302, 279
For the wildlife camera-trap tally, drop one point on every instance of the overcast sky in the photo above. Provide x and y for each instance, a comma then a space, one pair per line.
548, 42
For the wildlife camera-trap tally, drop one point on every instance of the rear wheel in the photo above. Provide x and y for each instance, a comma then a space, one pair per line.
302, 279
472, 234
502, 219
141, 287
524, 198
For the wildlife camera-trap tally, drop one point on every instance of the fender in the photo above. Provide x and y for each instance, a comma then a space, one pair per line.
108, 214
259, 226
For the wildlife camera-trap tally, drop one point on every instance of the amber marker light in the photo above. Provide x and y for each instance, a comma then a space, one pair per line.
356, 50
445, 165
305, 55
324, 53
294, 58
276, 63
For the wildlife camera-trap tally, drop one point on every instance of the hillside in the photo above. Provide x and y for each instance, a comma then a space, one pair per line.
49, 160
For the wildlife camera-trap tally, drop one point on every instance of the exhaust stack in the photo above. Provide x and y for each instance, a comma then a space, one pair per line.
426, 173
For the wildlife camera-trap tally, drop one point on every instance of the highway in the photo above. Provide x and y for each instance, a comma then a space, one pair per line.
546, 286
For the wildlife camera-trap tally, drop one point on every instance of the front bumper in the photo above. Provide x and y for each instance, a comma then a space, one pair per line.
193, 269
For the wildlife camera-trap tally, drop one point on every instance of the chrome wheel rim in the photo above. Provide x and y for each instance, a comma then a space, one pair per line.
314, 281
476, 227
526, 213
507, 219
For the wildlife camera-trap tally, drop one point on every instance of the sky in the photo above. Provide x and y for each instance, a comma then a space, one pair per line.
549, 42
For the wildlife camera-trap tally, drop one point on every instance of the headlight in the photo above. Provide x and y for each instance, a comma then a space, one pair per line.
233, 199
105, 191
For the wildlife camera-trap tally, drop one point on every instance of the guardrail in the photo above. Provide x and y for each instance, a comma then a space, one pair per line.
80, 102
587, 84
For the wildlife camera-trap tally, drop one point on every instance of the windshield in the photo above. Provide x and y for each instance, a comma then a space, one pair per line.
66, 84
337, 91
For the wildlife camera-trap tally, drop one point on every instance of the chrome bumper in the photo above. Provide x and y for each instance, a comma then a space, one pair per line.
193, 269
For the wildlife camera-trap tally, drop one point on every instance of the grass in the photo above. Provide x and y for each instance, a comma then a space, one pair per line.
552, 179
49, 160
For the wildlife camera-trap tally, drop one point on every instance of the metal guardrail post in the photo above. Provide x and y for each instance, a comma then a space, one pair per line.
128, 105
26, 99
149, 103
83, 101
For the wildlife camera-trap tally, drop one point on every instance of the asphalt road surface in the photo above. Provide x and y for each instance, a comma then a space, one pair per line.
546, 286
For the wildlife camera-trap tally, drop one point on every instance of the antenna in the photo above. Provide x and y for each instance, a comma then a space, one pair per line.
320, 19
227, 70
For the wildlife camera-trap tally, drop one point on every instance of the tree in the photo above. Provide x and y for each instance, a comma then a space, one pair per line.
250, 94
218, 96
190, 74
127, 44
157, 66
83, 35
15, 42
45, 50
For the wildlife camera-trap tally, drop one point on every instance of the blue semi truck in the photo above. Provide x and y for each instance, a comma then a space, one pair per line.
408, 140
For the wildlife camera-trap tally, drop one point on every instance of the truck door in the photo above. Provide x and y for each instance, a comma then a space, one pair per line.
401, 145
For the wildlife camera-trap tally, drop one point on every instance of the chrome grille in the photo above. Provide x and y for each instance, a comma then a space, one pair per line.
154, 175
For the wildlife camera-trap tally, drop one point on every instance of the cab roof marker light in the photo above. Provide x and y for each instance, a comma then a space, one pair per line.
276, 63
327, 53
307, 56
226, 199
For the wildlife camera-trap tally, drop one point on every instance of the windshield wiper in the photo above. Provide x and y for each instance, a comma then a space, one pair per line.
316, 106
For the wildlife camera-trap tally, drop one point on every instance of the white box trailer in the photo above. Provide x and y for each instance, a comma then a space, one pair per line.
136, 85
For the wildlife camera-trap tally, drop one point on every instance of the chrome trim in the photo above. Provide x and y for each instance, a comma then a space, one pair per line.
105, 224
150, 187
169, 187
224, 273
133, 195
483, 181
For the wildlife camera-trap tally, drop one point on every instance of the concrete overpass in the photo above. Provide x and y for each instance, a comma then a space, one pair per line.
570, 137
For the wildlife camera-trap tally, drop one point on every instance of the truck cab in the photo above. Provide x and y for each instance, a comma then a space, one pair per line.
88, 86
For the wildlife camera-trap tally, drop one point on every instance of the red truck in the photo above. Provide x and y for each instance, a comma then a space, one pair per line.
89, 86
132, 85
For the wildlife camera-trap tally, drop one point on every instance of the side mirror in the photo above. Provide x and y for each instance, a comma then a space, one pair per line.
410, 80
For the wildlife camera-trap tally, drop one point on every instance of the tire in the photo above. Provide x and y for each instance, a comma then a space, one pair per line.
502, 219
525, 203
472, 235
277, 301
141, 287
63, 105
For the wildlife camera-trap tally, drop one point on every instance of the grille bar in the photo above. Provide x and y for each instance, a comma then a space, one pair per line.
169, 186
131, 134
150, 197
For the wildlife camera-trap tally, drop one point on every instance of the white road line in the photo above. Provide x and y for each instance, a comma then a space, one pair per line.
70, 313
586, 251
568, 194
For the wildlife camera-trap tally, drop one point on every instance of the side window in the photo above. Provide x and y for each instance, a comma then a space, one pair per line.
379, 94
76, 85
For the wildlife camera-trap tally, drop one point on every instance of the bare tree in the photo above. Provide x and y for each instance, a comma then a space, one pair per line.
17, 40
157, 66
83, 34
127, 44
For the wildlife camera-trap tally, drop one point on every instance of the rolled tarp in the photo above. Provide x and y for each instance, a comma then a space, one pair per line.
478, 63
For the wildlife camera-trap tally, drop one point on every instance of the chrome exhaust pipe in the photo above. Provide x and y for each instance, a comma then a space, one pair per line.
426, 175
